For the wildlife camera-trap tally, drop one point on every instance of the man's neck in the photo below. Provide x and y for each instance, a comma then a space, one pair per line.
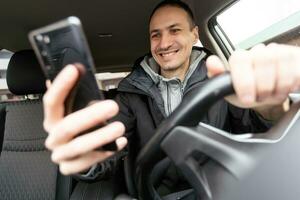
180, 72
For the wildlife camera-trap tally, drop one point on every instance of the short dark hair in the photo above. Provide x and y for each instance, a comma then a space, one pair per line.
175, 3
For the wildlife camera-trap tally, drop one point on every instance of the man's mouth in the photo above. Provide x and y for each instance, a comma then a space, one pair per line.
167, 54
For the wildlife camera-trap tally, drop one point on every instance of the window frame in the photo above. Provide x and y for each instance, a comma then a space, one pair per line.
221, 38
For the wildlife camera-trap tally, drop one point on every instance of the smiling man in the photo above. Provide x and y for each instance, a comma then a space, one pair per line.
172, 38
156, 86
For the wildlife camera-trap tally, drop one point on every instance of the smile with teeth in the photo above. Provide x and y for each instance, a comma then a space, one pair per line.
168, 53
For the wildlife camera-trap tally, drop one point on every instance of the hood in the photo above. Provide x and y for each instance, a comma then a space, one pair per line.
153, 70
144, 78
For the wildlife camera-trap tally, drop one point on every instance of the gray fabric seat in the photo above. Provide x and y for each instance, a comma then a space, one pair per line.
26, 171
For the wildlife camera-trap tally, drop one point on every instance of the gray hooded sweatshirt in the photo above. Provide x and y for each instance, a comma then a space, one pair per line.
171, 89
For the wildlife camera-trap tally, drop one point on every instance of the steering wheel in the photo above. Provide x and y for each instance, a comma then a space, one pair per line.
236, 163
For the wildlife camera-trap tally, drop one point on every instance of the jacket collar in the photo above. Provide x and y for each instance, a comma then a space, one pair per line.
138, 81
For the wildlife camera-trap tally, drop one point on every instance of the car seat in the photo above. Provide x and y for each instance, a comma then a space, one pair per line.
26, 171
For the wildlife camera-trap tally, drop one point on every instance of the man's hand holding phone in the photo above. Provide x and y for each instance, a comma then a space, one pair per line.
72, 151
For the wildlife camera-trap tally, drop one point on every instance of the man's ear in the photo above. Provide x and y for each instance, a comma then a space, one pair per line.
196, 34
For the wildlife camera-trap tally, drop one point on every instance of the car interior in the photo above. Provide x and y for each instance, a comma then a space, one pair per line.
261, 166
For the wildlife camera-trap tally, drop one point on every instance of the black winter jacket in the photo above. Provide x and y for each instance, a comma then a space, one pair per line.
142, 111
141, 107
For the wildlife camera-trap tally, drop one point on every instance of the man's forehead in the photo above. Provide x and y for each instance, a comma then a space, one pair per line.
167, 16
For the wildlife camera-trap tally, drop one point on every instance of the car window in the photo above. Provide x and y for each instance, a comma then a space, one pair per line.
5, 56
108, 81
246, 23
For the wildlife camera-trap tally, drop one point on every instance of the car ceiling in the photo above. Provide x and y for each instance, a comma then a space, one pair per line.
126, 20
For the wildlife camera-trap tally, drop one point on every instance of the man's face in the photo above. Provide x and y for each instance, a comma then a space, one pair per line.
171, 37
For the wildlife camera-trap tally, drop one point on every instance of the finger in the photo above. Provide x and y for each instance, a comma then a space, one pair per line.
83, 163
265, 71
295, 65
88, 142
286, 73
243, 76
54, 98
214, 66
296, 86
48, 84
78, 122
89, 159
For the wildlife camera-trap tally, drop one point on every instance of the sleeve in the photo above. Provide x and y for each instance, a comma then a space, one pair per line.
246, 121
107, 168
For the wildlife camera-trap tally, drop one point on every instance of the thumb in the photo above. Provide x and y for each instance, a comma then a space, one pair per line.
214, 66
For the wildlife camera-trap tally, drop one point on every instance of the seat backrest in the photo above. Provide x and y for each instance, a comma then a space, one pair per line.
26, 170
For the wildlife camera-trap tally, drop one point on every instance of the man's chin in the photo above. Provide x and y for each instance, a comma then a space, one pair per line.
169, 67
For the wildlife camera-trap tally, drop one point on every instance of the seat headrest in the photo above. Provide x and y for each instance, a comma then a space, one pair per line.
24, 75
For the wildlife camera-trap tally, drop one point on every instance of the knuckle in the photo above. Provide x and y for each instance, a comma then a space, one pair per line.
48, 101
273, 48
64, 169
237, 55
263, 60
257, 49
46, 126
62, 130
76, 146
54, 159
272, 45
260, 45
48, 146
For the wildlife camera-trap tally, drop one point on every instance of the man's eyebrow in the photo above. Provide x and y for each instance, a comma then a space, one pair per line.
154, 31
173, 25
169, 27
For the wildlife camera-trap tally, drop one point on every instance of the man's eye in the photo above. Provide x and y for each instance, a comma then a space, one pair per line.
175, 30
155, 36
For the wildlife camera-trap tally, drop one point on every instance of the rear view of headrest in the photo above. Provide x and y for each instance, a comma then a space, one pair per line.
24, 75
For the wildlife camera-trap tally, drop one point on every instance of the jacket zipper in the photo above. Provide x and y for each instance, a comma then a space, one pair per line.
168, 99
181, 89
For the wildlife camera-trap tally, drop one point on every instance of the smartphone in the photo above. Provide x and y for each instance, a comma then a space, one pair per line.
63, 43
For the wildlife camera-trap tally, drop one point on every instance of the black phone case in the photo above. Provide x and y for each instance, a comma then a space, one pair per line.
58, 46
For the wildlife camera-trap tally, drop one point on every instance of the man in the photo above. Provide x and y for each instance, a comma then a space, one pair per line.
157, 85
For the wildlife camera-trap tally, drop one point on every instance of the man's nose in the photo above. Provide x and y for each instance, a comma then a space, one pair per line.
165, 41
